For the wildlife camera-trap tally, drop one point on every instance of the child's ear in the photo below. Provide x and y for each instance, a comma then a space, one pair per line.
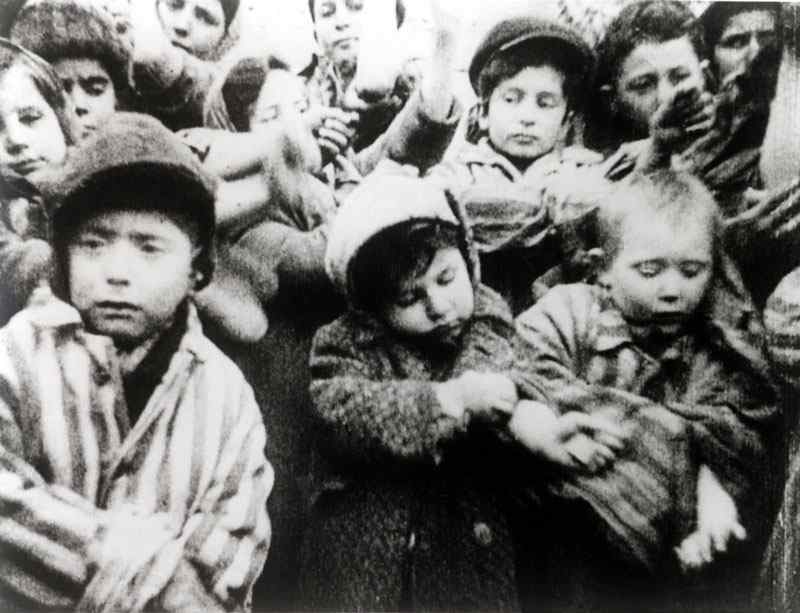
196, 274
607, 98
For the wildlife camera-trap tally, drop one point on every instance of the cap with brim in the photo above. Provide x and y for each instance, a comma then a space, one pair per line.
524, 29
135, 150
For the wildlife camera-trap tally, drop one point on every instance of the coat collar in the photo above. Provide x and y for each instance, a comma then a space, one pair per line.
46, 312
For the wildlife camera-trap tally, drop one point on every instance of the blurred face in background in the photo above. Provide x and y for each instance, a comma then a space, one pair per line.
337, 26
744, 36
90, 89
196, 26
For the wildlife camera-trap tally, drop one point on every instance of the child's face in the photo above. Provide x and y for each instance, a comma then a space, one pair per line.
661, 272
438, 303
128, 272
526, 113
90, 90
649, 76
337, 25
743, 37
32, 139
196, 26
282, 103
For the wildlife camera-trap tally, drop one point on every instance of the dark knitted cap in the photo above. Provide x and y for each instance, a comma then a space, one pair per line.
133, 153
61, 29
523, 29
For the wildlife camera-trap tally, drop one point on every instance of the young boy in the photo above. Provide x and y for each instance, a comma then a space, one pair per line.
90, 58
669, 345
409, 482
132, 449
519, 179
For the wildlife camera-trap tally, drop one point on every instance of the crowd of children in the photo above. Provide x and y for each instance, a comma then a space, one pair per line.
323, 340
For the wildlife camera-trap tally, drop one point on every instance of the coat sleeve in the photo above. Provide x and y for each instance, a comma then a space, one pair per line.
368, 415
412, 138
230, 535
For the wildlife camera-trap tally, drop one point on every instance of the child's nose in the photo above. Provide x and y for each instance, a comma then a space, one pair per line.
436, 305
14, 140
670, 289
117, 266
180, 22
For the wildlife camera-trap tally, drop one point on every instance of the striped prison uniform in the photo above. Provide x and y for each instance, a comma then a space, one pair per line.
699, 402
96, 514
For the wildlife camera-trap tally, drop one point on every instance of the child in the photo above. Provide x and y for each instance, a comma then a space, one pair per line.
520, 178
37, 127
670, 345
409, 505
90, 58
132, 449
177, 48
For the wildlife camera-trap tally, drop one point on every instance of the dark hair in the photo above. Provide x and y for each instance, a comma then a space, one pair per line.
46, 81
243, 85
534, 53
679, 196
400, 11
402, 251
716, 16
650, 21
60, 30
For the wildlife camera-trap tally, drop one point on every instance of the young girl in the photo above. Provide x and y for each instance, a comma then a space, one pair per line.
410, 388
37, 128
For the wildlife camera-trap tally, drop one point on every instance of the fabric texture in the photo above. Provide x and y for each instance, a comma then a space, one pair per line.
107, 515
706, 399
408, 504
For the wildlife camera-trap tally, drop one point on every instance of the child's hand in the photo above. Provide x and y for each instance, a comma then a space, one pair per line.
333, 128
574, 441
477, 392
687, 113
717, 523
484, 392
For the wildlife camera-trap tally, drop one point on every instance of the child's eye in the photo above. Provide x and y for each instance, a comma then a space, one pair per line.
648, 269
89, 243
205, 17
446, 276
355, 5
327, 9
96, 87
547, 101
175, 5
736, 41
678, 75
29, 116
692, 269
271, 113
511, 97
641, 84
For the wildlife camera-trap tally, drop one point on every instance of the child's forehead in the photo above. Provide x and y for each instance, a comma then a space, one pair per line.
536, 76
651, 52
120, 221
647, 230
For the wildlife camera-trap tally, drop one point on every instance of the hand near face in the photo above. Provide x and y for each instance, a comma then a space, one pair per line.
687, 113
333, 129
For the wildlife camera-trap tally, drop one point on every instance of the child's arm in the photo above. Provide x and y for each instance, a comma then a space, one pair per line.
374, 417
717, 523
420, 134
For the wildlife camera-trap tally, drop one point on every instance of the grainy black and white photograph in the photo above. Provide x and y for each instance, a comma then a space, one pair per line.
399, 306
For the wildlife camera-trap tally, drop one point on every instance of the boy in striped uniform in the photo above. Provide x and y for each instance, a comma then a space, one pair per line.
132, 469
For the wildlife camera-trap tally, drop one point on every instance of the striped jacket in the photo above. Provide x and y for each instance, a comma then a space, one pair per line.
96, 514
706, 399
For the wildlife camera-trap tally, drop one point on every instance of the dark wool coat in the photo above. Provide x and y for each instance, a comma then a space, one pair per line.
409, 505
